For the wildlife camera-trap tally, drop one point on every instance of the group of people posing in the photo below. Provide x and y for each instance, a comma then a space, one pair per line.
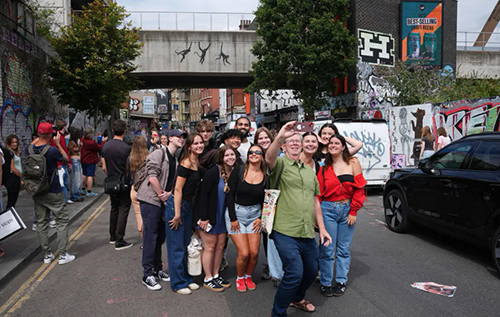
190, 184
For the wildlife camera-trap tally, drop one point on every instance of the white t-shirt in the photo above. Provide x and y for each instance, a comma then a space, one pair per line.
444, 141
243, 150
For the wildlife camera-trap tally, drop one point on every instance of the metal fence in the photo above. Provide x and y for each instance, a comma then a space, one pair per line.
486, 41
188, 21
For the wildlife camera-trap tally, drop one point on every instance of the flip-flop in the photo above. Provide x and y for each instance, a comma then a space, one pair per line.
303, 306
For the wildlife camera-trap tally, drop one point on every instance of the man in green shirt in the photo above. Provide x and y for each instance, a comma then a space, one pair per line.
297, 211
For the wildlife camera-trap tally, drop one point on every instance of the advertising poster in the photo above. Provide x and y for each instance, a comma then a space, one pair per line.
422, 32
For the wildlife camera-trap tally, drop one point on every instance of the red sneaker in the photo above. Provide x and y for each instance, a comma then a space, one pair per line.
240, 285
250, 283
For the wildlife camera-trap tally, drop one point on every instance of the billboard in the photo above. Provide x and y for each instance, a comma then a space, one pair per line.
422, 32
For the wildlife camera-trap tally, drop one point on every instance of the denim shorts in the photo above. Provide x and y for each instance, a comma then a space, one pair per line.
246, 216
88, 169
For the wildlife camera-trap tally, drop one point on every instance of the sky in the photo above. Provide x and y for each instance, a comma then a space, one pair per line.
472, 14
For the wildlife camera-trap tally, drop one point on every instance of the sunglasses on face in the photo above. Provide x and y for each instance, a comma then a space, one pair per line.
255, 152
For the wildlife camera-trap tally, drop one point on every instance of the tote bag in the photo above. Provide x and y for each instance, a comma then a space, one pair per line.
269, 206
10, 223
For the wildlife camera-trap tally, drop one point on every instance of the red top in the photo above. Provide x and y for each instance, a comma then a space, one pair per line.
62, 141
345, 186
89, 151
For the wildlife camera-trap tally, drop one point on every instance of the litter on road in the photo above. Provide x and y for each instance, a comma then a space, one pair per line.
435, 288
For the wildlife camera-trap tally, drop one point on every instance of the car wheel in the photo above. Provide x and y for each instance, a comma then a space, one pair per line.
495, 249
396, 212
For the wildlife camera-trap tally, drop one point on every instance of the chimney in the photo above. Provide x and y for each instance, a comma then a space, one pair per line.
244, 24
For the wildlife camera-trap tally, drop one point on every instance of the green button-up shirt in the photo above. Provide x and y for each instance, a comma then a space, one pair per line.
295, 206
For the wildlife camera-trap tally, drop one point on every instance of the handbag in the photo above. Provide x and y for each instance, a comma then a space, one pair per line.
269, 206
117, 183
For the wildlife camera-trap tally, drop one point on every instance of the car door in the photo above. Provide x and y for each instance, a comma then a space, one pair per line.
478, 193
435, 185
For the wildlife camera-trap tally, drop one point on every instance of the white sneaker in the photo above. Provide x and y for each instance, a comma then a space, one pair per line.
47, 258
70, 201
184, 291
66, 258
52, 223
33, 227
194, 286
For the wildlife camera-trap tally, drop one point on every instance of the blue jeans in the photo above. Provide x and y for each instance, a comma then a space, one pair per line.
335, 218
273, 260
300, 263
76, 178
65, 184
177, 243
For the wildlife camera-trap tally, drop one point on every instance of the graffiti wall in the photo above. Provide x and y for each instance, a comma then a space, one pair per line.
459, 118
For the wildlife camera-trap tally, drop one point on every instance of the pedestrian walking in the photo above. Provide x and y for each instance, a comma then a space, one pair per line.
244, 208
152, 194
427, 143
76, 165
297, 211
341, 183
51, 200
210, 211
115, 155
179, 213
89, 159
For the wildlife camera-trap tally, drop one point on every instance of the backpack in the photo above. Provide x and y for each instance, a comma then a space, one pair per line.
36, 180
141, 174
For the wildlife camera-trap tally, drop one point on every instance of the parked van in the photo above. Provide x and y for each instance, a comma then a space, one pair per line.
375, 156
253, 128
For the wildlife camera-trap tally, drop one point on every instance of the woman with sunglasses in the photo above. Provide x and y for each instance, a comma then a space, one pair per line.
244, 207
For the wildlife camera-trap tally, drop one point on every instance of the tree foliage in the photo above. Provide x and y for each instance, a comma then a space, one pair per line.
303, 45
417, 84
45, 15
92, 71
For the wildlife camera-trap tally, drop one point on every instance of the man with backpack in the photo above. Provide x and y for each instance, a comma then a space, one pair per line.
42, 182
114, 157
158, 178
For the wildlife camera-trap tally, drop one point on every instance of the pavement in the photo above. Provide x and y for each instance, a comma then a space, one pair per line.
24, 246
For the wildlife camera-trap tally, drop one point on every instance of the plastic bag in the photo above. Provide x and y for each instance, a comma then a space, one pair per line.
194, 256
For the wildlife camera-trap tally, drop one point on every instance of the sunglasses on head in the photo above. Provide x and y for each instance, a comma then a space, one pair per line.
255, 152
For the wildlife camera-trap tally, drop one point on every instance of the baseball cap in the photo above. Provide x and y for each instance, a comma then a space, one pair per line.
177, 132
45, 128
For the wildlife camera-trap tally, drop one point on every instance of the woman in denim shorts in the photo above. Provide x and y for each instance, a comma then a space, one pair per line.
244, 207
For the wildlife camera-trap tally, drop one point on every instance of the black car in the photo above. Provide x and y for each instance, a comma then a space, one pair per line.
456, 192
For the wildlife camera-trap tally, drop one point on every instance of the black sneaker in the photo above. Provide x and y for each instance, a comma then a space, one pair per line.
222, 282
112, 240
339, 290
326, 290
213, 286
151, 283
162, 276
265, 273
122, 245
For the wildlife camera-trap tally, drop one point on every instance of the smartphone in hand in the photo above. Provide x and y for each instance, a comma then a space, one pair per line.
303, 127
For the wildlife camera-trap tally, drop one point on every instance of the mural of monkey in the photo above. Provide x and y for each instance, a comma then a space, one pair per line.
223, 56
203, 52
184, 52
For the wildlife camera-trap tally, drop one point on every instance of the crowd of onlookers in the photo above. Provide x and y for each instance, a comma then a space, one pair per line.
182, 184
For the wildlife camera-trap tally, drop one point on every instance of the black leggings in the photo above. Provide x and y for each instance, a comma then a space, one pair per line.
11, 198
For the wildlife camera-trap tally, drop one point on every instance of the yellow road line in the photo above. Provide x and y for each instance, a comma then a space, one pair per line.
26, 289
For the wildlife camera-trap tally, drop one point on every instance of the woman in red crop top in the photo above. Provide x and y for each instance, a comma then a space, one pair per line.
342, 195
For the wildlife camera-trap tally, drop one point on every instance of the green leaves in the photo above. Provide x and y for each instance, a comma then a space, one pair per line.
94, 64
303, 45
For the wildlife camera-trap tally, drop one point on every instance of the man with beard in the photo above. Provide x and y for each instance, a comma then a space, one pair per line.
243, 124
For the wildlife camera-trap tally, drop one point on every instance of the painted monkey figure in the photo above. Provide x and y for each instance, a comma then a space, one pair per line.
203, 52
184, 52
223, 56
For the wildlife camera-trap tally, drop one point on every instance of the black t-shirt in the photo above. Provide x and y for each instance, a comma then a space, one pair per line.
172, 164
115, 153
192, 180
51, 157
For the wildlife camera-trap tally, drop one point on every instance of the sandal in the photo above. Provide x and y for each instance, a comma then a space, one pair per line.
303, 306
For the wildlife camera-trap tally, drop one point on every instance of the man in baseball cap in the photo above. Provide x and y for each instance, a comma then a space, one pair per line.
45, 128
177, 133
